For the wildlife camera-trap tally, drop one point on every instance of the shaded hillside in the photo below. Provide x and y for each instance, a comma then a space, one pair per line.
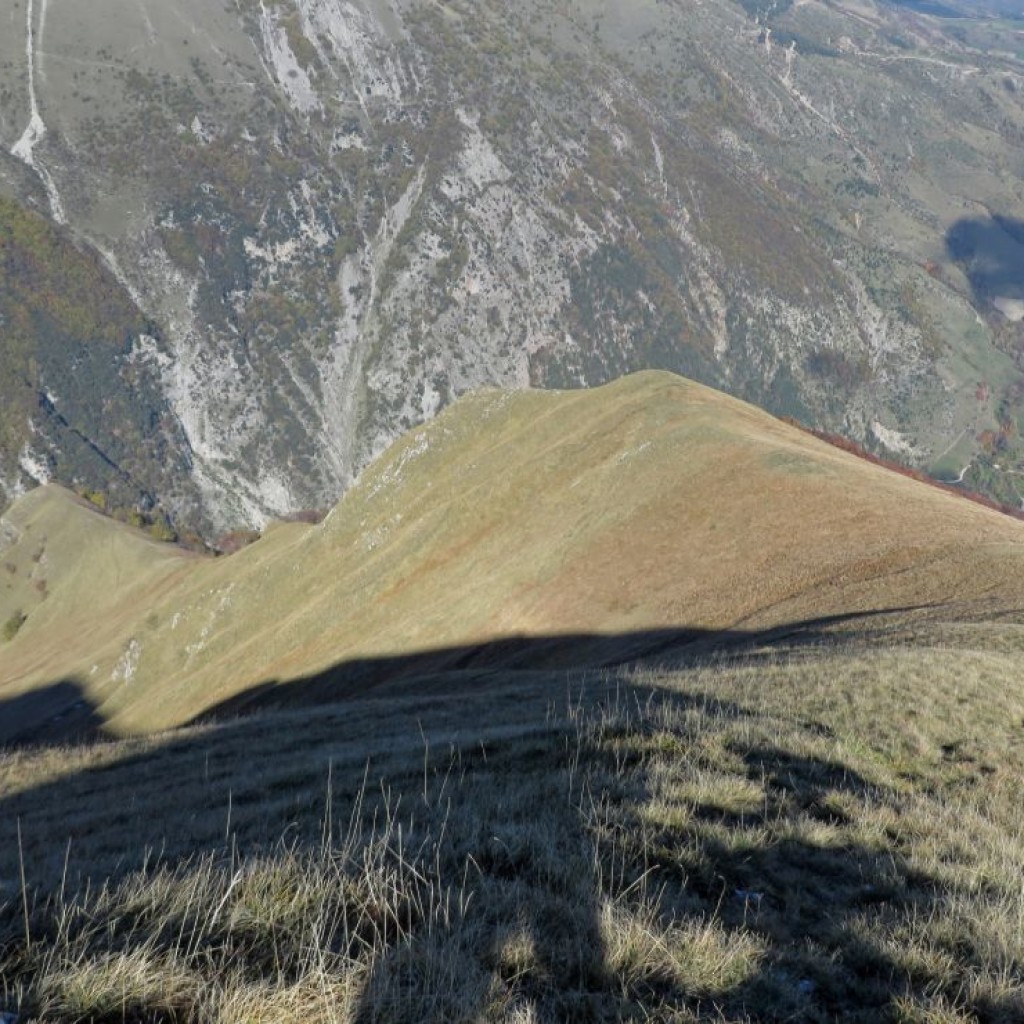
80, 389
773, 833
651, 504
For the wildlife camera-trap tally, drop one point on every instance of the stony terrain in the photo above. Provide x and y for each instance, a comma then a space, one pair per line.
314, 223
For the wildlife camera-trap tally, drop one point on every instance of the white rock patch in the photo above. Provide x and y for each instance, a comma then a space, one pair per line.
1012, 309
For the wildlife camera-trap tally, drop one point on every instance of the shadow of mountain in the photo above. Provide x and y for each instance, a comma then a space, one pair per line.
50, 714
932, 7
61, 711
368, 712
454, 668
485, 753
991, 252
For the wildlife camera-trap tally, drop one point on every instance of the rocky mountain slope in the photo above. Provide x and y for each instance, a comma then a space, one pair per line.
316, 222
535, 529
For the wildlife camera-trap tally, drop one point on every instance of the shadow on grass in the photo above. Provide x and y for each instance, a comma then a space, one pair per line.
535, 827
62, 711
454, 668
49, 714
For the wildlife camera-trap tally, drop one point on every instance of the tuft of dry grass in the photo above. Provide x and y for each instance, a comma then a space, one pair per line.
798, 834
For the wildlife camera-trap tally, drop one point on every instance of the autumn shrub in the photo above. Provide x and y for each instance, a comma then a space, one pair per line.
847, 445
234, 540
312, 516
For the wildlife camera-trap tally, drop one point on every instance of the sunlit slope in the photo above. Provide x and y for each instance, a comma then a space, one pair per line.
653, 502
72, 581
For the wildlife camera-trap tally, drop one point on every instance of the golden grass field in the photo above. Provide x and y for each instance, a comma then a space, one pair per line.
651, 504
634, 704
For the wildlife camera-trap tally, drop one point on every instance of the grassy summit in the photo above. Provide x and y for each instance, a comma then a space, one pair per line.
651, 504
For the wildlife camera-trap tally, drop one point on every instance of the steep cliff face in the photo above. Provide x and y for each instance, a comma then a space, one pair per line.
331, 217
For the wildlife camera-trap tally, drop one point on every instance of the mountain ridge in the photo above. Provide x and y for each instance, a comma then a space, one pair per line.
639, 665
652, 503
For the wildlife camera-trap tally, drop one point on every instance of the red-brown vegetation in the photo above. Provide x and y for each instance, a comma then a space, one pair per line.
234, 540
844, 443
312, 516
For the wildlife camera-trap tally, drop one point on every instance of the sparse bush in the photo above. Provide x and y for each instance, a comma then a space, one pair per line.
12, 625
160, 529
97, 498
234, 540
135, 518
312, 516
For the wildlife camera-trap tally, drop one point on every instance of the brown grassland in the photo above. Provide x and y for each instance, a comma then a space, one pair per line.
652, 709
651, 504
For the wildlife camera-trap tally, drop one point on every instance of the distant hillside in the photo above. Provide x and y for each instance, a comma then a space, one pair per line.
80, 400
595, 526
245, 246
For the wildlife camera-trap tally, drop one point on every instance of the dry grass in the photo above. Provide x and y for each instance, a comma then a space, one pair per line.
802, 834
649, 504
822, 824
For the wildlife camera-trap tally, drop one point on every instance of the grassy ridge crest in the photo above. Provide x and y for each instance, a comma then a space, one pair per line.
640, 705
652, 503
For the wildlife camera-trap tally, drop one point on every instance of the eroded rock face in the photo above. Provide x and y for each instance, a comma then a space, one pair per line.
327, 218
